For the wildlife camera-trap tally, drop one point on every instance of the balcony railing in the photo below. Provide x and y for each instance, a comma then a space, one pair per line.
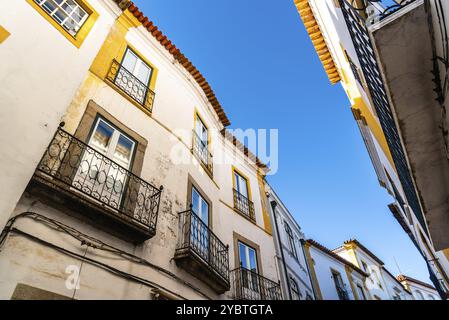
342, 293
366, 54
86, 172
201, 150
244, 206
249, 285
196, 236
376, 10
131, 85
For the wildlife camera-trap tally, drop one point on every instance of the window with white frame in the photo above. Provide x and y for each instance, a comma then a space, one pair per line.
68, 13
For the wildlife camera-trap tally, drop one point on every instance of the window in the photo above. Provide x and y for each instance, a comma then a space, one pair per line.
201, 140
199, 224
95, 173
241, 185
67, 13
339, 286
361, 292
248, 263
242, 202
133, 77
419, 295
296, 295
291, 241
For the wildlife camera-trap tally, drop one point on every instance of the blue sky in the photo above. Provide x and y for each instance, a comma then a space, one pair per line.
263, 68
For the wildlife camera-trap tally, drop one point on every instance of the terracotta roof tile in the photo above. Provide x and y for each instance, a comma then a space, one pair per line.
171, 48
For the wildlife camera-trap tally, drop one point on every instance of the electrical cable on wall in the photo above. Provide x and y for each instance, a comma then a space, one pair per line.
95, 244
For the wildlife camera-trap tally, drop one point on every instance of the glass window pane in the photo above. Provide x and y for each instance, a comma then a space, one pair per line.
123, 151
49, 6
129, 61
204, 212
101, 138
242, 255
69, 6
195, 201
252, 260
144, 74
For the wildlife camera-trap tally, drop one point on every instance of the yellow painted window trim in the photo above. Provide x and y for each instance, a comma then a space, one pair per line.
248, 186
82, 34
197, 116
121, 56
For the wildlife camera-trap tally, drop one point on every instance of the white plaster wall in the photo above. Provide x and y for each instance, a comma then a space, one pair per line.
296, 267
172, 121
323, 264
35, 58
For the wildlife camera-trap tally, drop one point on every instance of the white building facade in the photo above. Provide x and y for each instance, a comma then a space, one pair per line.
351, 44
381, 284
333, 277
420, 290
128, 186
291, 257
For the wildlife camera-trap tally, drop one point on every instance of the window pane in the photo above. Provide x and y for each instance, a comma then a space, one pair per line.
123, 151
144, 74
49, 6
242, 255
204, 212
130, 61
102, 137
252, 259
195, 201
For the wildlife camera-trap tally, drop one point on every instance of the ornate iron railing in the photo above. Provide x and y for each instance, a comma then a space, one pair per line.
342, 293
382, 8
83, 169
244, 206
201, 150
130, 85
365, 51
196, 236
249, 285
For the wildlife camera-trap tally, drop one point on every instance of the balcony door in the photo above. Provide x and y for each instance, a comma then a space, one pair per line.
241, 185
199, 235
249, 273
202, 140
134, 76
97, 175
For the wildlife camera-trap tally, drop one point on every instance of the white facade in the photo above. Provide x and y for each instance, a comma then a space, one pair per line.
381, 284
31, 109
291, 258
76, 90
419, 289
343, 65
334, 277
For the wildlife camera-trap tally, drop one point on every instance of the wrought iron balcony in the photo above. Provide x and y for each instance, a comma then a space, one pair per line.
371, 70
244, 206
342, 293
84, 173
201, 151
375, 10
201, 252
249, 285
131, 85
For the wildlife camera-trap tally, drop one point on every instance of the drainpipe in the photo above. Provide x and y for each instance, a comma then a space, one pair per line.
273, 209
308, 268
